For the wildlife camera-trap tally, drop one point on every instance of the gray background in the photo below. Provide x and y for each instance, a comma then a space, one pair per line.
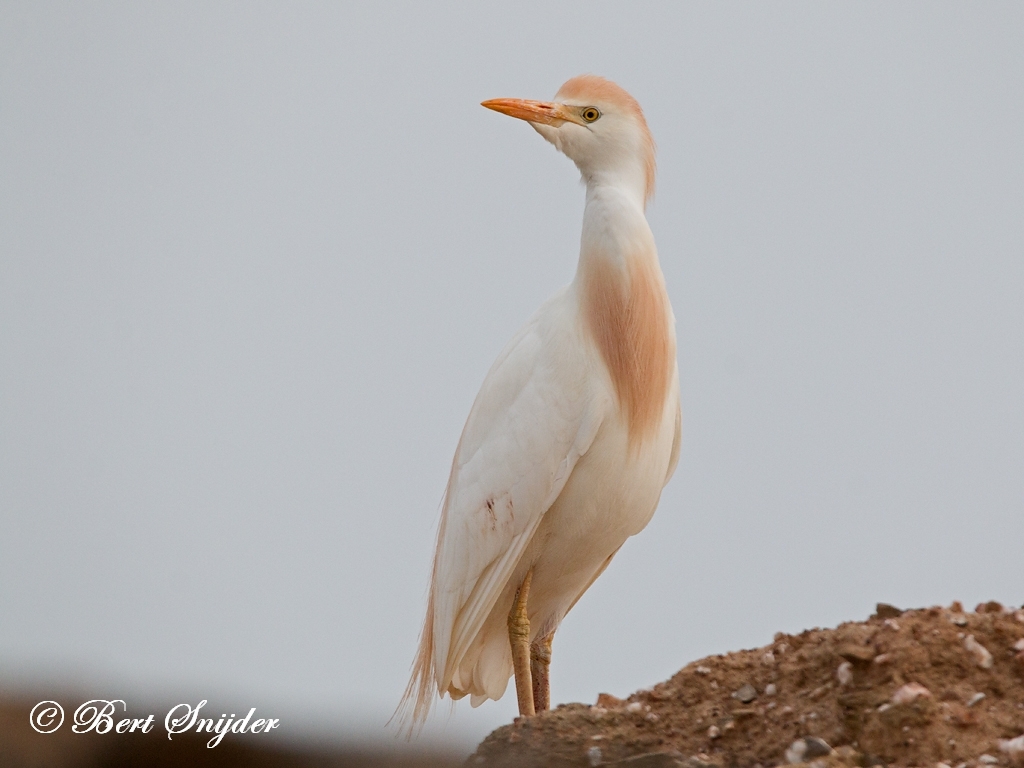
256, 261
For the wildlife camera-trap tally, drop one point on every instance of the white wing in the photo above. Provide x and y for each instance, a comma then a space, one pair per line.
532, 420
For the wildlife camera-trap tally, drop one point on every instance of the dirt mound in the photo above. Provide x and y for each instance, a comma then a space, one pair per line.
907, 688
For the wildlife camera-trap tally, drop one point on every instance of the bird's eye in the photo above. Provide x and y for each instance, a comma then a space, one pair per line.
590, 114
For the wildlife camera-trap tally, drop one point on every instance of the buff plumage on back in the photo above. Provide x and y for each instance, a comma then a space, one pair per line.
587, 87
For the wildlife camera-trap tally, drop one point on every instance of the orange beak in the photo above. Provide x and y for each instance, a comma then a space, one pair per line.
544, 112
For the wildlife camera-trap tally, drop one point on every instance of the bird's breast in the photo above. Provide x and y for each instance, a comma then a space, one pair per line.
626, 311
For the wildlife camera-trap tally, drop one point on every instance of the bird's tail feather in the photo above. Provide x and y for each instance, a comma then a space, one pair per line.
415, 705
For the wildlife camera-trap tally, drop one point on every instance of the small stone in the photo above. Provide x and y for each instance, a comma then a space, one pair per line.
634, 707
856, 653
768, 658
844, 674
594, 757
795, 753
959, 619
1019, 616
701, 670
1012, 747
804, 749
987, 759
882, 658
714, 732
892, 624
992, 606
746, 694
981, 655
770, 689
909, 692
608, 701
1019, 645
651, 717
817, 747
975, 699
943, 765
886, 611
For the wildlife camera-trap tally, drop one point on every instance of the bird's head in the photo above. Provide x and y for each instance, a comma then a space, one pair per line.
598, 126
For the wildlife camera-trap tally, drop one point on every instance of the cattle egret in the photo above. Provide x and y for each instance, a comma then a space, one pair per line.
573, 435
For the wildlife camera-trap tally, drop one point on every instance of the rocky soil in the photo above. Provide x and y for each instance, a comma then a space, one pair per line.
930, 687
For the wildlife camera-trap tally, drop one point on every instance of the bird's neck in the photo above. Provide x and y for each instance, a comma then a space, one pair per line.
624, 306
615, 231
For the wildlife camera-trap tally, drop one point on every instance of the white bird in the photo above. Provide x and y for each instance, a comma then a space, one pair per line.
573, 435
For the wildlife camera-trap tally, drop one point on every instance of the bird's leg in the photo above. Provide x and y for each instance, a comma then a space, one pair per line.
540, 662
519, 638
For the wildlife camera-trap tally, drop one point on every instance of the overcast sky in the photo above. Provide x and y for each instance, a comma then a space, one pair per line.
256, 260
